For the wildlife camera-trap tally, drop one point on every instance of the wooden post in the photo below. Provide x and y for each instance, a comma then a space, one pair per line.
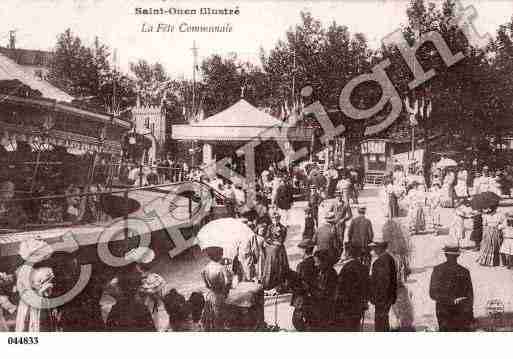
34, 176
125, 196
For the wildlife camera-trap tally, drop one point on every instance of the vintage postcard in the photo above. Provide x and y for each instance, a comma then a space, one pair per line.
255, 166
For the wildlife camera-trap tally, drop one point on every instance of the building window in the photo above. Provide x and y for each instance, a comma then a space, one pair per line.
147, 123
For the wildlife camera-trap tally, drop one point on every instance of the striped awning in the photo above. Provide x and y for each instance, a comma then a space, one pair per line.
11, 134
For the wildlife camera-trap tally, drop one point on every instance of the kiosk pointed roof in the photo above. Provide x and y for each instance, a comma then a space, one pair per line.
241, 114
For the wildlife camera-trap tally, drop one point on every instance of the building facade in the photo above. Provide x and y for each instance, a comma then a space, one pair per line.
150, 122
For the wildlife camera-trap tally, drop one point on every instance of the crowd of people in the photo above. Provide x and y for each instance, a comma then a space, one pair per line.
158, 172
143, 302
347, 264
480, 227
75, 205
323, 299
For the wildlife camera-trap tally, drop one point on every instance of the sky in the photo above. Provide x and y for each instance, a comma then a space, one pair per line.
260, 24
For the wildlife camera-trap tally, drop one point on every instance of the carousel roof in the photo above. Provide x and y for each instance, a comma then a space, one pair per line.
10, 70
241, 114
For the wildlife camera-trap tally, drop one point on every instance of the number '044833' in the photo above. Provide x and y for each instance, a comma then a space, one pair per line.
23, 340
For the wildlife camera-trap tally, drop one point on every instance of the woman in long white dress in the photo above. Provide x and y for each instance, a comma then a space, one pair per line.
507, 242
417, 200
434, 202
447, 191
390, 200
461, 226
461, 189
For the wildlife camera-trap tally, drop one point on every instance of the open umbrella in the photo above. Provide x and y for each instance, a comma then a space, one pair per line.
485, 200
226, 233
446, 162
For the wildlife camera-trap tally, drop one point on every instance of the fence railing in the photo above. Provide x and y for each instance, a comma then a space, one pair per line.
86, 207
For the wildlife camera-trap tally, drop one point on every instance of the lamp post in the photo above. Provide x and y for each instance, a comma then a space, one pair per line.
192, 152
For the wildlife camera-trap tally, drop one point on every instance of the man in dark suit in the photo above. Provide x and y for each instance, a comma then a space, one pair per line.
383, 285
352, 292
314, 201
304, 285
451, 289
324, 291
284, 199
360, 234
326, 239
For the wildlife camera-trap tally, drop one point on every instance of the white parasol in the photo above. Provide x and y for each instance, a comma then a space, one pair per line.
226, 233
446, 162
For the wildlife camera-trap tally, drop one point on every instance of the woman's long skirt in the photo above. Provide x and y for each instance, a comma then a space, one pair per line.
490, 247
275, 266
393, 205
417, 219
214, 312
477, 230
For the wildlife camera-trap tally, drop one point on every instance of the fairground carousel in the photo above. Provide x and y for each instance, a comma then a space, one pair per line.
59, 170
50, 151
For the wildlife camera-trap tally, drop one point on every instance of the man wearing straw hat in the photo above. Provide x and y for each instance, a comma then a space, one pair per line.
451, 289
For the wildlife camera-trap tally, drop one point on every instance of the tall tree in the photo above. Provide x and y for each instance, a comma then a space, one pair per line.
85, 73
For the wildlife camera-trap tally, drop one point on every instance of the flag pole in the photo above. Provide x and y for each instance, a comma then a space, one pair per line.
195, 65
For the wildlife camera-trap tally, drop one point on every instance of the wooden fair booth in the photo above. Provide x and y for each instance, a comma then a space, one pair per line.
377, 159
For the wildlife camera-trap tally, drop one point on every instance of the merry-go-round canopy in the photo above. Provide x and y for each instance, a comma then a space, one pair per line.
33, 110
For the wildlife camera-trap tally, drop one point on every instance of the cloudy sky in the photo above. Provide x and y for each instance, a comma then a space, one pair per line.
260, 24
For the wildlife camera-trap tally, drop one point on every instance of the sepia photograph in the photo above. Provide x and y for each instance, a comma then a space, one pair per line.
255, 166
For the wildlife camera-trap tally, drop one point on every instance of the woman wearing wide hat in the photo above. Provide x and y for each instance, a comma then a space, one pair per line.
493, 223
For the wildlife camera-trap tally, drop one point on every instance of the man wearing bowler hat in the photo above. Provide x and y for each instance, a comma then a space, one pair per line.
383, 284
451, 289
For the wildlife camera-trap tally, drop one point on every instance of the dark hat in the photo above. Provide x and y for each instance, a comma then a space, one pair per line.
378, 242
452, 250
362, 209
330, 217
306, 243
323, 255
